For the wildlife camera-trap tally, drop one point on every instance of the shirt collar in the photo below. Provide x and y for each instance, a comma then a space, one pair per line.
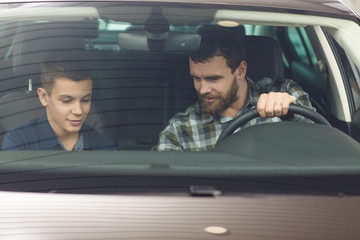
79, 145
52, 142
47, 135
253, 92
84, 132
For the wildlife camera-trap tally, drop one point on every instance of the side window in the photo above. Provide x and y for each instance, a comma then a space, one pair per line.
302, 46
352, 74
7, 33
303, 68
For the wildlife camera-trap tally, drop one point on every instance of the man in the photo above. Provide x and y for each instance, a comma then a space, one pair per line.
218, 70
65, 92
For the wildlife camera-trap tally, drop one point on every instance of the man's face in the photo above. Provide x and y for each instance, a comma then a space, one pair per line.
216, 85
68, 104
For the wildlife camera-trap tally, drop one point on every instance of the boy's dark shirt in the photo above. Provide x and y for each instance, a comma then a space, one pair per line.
37, 134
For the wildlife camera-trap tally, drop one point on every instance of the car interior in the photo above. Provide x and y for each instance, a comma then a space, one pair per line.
135, 91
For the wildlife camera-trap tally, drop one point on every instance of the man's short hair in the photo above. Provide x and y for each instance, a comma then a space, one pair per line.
221, 41
68, 65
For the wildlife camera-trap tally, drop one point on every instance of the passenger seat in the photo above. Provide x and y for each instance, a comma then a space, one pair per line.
32, 42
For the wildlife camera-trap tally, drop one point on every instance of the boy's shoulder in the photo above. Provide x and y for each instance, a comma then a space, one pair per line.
97, 140
30, 126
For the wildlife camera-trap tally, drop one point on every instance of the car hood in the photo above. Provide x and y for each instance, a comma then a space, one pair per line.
67, 216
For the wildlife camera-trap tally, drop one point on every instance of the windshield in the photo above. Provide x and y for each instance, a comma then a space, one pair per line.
117, 88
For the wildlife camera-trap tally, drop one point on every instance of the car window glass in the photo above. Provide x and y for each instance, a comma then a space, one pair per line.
303, 67
302, 45
135, 91
352, 74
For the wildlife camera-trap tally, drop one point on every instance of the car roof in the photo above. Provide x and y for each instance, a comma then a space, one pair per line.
320, 7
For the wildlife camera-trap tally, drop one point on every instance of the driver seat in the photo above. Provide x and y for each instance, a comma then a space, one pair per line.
264, 57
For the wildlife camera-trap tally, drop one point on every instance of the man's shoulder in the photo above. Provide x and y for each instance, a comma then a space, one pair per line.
192, 112
267, 84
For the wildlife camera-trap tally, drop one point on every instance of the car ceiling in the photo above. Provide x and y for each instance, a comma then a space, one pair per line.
137, 15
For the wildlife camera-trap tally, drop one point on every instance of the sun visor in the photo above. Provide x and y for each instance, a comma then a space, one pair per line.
49, 14
169, 42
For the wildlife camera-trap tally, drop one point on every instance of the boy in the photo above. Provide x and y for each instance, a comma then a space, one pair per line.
65, 92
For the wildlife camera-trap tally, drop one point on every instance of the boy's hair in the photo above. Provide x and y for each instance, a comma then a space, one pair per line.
220, 41
68, 65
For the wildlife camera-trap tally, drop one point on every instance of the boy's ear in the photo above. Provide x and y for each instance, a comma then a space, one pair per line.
43, 96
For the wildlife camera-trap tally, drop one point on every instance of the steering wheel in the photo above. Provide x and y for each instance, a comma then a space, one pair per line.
253, 113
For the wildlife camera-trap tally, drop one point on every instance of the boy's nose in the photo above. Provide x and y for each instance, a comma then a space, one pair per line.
77, 109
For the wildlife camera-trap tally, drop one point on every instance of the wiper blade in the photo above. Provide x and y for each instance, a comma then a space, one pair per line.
204, 191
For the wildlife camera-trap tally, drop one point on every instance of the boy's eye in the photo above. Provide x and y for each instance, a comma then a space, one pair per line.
66, 100
86, 100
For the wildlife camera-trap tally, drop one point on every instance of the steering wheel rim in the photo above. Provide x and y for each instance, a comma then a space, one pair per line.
253, 113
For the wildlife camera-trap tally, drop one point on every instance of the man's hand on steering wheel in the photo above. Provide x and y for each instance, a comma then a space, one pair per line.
253, 113
274, 104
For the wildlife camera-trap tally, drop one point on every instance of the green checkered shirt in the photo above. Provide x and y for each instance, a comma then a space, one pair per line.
195, 130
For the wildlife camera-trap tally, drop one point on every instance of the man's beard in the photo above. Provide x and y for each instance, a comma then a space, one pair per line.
222, 102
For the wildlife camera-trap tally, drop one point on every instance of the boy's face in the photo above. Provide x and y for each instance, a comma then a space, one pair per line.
68, 104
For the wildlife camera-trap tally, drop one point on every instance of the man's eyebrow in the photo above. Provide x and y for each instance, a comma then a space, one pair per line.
212, 77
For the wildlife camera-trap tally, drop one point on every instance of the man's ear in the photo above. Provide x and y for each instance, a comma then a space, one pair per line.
43, 96
242, 70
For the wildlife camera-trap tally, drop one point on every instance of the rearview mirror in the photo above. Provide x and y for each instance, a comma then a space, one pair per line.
174, 42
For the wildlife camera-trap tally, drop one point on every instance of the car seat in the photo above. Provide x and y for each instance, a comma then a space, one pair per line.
264, 57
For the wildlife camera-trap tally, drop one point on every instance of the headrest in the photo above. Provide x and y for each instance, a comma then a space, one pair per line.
18, 107
33, 41
264, 57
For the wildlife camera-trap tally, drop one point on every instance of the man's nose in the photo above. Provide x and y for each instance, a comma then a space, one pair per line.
204, 87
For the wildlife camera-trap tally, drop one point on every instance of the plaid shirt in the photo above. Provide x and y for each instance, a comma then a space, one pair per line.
196, 130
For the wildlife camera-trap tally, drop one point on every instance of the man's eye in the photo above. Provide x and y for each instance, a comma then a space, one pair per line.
66, 100
213, 78
195, 78
86, 100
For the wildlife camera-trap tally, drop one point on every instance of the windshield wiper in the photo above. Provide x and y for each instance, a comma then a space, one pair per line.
204, 191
